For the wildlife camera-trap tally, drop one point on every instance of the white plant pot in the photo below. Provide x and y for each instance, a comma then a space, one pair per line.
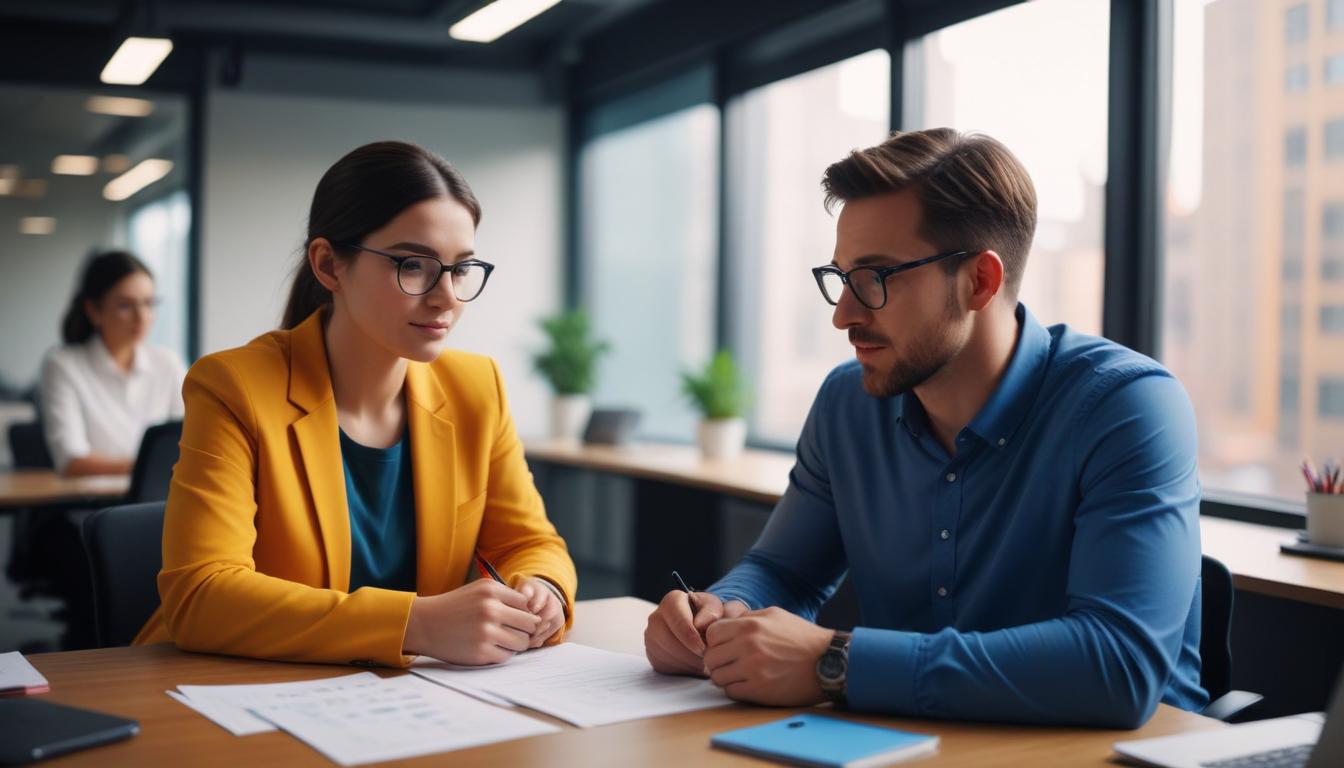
569, 416
722, 438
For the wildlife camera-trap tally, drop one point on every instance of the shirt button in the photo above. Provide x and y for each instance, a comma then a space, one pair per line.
951, 477
1002, 441
944, 534
942, 591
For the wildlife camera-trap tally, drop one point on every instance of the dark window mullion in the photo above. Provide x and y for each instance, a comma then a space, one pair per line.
1139, 128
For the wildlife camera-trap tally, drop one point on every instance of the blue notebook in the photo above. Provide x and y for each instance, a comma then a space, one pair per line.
827, 742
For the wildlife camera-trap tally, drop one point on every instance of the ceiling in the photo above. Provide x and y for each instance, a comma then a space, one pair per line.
70, 40
52, 51
43, 122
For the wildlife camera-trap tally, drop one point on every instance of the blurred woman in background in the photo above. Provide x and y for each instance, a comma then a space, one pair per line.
105, 386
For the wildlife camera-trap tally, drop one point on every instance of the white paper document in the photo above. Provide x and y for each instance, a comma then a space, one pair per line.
228, 705
394, 718
235, 720
361, 718
19, 676
581, 685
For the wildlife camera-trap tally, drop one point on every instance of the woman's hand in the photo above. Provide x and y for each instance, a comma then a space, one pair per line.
542, 602
483, 622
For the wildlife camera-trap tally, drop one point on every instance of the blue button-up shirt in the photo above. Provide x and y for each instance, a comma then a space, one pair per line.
1047, 572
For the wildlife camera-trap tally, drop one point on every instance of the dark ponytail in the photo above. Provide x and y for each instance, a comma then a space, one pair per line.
101, 272
361, 193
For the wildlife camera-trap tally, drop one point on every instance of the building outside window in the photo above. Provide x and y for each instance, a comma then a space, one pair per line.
1254, 253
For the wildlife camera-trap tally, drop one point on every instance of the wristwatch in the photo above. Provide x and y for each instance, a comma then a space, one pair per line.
833, 668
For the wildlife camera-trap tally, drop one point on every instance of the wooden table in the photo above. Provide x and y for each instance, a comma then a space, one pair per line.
131, 682
1250, 551
43, 487
755, 475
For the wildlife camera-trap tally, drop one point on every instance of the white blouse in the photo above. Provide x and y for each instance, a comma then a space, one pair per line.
91, 406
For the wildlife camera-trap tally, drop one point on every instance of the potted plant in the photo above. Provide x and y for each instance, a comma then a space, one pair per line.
719, 392
568, 364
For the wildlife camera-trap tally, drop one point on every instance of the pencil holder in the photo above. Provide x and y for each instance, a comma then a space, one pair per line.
1325, 519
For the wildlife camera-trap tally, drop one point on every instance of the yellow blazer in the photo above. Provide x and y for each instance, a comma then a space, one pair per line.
256, 538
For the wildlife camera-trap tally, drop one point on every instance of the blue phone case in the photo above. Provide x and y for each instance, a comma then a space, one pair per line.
828, 742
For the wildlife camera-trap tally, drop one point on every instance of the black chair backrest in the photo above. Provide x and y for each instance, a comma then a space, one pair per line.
154, 463
28, 446
125, 555
1215, 635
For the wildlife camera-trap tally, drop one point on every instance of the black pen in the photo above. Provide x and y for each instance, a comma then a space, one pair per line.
681, 583
690, 593
487, 569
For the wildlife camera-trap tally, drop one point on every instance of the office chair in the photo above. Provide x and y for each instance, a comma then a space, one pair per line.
28, 446
125, 554
154, 463
1215, 644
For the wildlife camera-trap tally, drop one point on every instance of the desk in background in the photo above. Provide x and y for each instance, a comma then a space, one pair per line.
632, 513
131, 682
24, 488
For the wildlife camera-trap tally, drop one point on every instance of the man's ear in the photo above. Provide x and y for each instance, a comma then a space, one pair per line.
986, 279
322, 260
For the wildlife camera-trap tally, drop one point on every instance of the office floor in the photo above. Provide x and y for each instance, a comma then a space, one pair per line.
24, 625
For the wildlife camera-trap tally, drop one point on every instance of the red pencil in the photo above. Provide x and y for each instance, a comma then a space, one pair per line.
1311, 481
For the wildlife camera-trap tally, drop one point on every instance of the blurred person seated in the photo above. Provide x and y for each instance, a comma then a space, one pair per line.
105, 385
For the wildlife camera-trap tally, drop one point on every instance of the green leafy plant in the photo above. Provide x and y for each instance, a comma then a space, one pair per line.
718, 390
570, 361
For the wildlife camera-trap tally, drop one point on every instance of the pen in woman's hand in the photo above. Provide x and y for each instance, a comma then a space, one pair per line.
487, 569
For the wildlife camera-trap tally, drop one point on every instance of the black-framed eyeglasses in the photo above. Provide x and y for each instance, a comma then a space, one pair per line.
417, 275
869, 284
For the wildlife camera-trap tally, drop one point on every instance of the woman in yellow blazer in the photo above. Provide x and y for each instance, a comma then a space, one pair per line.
268, 517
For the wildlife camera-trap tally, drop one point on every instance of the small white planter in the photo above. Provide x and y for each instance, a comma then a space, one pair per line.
722, 438
569, 416
1325, 519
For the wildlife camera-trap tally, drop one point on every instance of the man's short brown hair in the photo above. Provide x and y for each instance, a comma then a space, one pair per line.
974, 193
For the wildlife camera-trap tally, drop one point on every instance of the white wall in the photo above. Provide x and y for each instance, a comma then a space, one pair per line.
265, 152
37, 272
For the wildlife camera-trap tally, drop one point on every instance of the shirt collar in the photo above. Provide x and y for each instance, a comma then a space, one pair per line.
911, 413
1012, 399
1008, 405
103, 357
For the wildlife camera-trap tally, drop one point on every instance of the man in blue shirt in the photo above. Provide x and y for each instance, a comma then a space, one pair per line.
1016, 506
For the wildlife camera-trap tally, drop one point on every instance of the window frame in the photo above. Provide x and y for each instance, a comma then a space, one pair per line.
805, 35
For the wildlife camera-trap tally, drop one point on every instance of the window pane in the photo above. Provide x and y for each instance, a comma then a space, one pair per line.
1332, 319
1296, 23
648, 237
1012, 75
1297, 78
157, 233
1334, 70
1295, 147
1331, 399
1334, 139
782, 137
1250, 264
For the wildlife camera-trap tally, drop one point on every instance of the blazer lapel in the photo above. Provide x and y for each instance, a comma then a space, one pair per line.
433, 458
318, 437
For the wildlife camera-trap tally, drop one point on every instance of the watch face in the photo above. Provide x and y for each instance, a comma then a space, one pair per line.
831, 667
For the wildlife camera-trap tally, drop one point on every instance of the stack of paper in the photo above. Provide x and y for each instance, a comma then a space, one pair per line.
580, 685
17, 676
361, 718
